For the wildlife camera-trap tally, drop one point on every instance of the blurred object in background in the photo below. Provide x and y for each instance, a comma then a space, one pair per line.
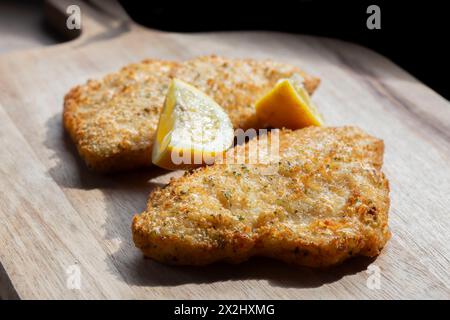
22, 26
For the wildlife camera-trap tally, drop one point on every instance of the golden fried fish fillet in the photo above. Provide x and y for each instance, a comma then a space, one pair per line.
324, 200
112, 121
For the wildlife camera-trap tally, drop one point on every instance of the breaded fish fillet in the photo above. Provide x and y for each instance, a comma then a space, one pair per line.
112, 121
324, 201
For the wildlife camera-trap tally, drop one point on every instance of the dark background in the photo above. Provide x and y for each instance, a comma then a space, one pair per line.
413, 35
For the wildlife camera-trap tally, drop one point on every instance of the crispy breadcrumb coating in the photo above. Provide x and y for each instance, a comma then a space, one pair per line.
112, 121
324, 200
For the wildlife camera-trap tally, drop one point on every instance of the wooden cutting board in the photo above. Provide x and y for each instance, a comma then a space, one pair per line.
58, 218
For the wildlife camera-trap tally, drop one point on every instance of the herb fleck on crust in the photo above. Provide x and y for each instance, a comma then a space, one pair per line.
326, 200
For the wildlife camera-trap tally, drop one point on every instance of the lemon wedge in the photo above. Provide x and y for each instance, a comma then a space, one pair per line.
287, 105
192, 130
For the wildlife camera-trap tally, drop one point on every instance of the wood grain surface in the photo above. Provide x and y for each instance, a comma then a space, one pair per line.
22, 26
55, 213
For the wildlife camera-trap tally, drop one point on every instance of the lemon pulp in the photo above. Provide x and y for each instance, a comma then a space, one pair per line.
287, 105
192, 130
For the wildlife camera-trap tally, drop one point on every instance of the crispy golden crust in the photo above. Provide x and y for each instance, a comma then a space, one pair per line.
324, 201
112, 121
